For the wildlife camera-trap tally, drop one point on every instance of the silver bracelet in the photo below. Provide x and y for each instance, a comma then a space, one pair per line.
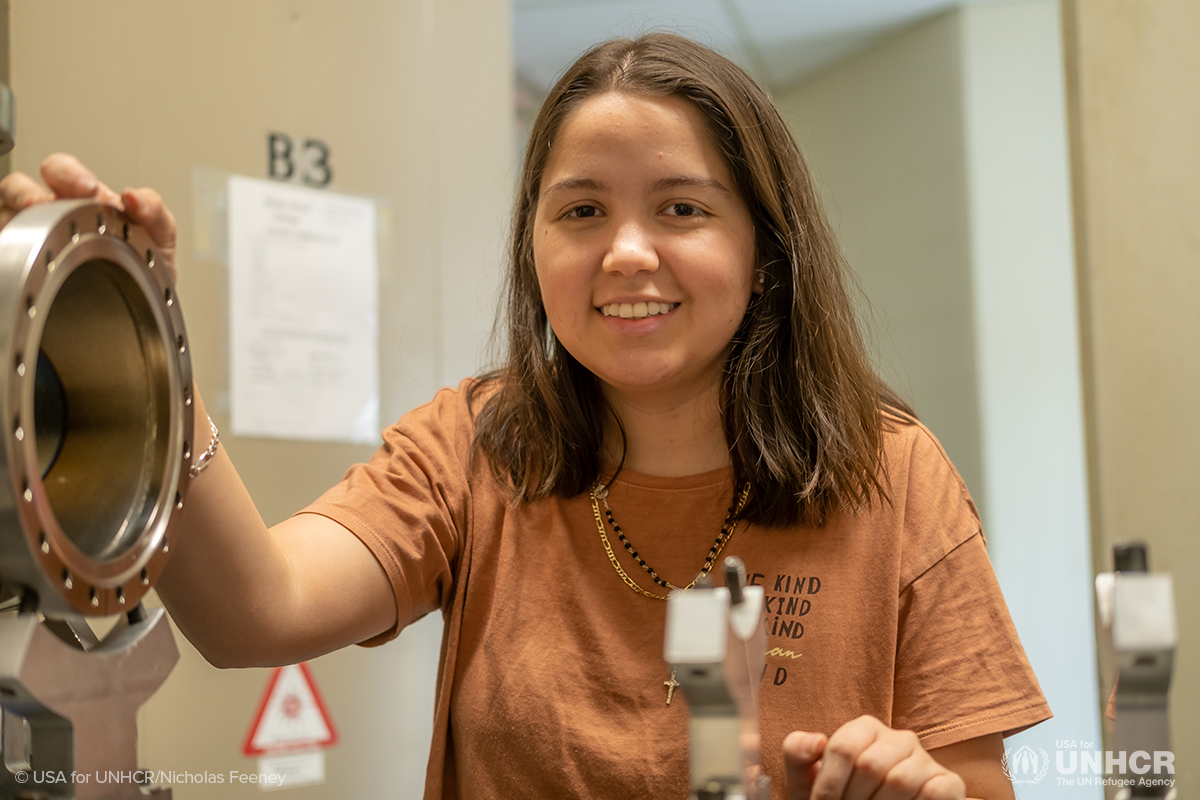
206, 456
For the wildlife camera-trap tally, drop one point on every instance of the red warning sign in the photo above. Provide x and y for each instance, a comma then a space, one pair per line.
291, 715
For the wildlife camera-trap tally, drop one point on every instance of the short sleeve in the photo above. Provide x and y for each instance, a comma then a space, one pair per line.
410, 504
960, 669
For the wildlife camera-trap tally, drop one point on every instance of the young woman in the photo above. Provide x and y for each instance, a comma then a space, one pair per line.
684, 379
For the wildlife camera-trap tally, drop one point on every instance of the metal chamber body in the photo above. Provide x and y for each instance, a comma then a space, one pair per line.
95, 409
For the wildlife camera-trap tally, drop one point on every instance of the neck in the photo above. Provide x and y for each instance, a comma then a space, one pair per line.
667, 435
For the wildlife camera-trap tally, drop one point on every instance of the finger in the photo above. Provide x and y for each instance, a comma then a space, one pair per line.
18, 191
749, 741
68, 177
801, 759
944, 786
841, 753
146, 208
893, 756
921, 778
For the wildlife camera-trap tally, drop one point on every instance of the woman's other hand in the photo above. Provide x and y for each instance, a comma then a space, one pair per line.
866, 760
67, 179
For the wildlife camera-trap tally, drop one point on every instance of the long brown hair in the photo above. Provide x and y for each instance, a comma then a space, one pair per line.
801, 404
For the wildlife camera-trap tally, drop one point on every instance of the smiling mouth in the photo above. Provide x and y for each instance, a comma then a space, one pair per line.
637, 310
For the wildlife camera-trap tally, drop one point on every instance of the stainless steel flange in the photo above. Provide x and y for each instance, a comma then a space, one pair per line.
95, 409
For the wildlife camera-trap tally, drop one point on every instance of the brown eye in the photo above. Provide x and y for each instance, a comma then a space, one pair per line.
583, 211
682, 210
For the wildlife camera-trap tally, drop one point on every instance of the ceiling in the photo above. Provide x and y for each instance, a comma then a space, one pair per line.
778, 41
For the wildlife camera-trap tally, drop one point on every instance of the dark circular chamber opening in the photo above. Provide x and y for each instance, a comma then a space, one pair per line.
50, 412
101, 410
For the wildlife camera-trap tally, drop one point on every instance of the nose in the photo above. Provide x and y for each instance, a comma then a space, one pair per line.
631, 251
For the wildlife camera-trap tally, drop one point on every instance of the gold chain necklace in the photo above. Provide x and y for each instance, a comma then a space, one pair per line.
600, 493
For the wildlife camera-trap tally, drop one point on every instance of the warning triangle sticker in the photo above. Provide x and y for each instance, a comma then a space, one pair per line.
291, 715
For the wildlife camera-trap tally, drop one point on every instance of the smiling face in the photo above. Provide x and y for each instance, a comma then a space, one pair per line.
644, 250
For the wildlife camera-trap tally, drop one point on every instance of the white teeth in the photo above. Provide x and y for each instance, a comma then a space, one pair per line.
650, 308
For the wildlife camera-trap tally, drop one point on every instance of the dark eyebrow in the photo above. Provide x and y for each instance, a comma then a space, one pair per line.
575, 183
688, 180
661, 185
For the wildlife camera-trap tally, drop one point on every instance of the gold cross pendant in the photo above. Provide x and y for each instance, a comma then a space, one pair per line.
671, 685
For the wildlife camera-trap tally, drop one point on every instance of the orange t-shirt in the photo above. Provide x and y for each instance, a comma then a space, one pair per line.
552, 674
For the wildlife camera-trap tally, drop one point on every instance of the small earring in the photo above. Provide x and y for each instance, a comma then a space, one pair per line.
761, 283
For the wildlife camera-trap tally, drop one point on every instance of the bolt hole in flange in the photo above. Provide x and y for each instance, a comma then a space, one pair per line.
104, 400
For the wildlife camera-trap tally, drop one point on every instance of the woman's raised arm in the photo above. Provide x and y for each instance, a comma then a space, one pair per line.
246, 595
243, 594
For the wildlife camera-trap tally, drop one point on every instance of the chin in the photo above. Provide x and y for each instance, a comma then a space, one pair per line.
638, 382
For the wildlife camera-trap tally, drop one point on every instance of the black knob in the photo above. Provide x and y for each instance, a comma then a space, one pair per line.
1130, 557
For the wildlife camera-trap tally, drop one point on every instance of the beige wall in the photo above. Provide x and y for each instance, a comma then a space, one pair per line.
6, 159
883, 134
1134, 69
414, 99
